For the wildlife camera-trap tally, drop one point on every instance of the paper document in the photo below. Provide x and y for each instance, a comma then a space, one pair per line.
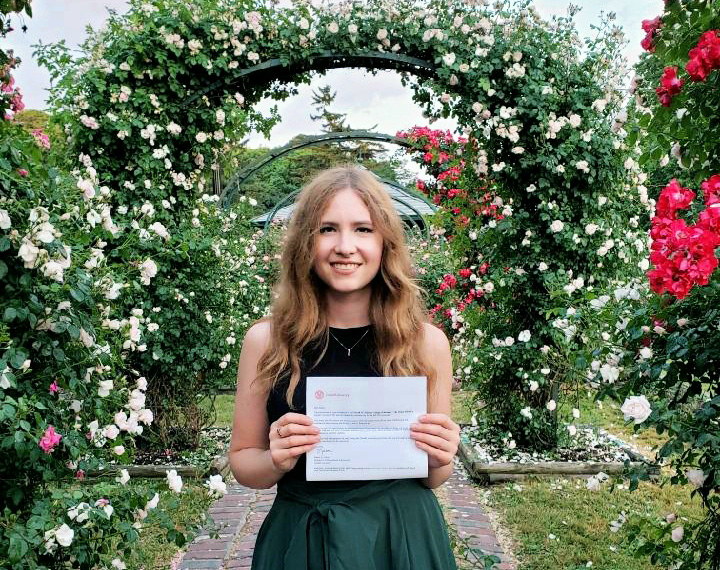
364, 425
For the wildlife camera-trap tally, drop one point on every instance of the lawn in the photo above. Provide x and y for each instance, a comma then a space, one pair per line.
153, 552
558, 524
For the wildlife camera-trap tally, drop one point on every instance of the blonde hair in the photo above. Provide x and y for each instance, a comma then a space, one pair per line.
298, 317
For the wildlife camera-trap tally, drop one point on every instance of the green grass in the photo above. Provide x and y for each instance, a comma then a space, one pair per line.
224, 409
580, 518
462, 406
153, 551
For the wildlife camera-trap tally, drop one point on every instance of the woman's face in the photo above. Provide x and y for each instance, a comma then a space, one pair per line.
348, 248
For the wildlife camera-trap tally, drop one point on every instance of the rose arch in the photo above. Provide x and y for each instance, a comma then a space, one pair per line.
167, 87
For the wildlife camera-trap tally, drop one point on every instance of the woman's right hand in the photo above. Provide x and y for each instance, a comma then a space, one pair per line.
291, 436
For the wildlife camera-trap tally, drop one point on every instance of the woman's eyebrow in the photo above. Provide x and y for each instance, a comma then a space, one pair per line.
359, 223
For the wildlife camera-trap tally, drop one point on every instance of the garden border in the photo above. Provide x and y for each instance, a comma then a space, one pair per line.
219, 465
487, 473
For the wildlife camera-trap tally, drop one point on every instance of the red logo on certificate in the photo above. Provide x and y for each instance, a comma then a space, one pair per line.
319, 395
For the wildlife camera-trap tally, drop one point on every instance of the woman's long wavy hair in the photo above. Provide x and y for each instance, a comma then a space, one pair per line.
298, 315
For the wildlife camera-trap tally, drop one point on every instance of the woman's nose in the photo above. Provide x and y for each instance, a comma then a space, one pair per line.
345, 243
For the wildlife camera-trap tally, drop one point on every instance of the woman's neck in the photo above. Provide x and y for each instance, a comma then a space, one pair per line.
348, 310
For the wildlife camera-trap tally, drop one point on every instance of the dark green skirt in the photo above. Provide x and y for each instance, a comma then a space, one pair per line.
393, 524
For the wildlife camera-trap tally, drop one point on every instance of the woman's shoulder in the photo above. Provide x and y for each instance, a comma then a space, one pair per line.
434, 339
258, 335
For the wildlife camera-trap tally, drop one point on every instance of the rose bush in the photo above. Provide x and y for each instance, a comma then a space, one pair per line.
661, 352
499, 289
68, 405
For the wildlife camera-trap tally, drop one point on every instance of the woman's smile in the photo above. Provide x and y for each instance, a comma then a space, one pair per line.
345, 268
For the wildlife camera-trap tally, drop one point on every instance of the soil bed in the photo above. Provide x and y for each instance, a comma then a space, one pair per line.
591, 451
208, 458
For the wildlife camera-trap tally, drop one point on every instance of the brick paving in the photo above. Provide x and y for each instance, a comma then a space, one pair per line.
239, 514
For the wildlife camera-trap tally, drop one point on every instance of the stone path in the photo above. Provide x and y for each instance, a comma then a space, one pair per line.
241, 512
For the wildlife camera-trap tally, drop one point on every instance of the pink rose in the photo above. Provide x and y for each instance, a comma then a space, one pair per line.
49, 440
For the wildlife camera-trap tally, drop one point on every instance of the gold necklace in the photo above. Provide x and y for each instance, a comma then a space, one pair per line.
353, 346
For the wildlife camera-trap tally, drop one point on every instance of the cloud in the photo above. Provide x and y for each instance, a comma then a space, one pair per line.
53, 21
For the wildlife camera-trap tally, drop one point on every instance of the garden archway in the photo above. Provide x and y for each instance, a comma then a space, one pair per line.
154, 103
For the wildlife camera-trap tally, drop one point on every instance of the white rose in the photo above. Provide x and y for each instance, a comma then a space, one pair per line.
111, 431
572, 430
118, 450
696, 477
551, 405
590, 229
174, 481
216, 485
124, 477
636, 408
533, 385
64, 535
677, 534
524, 336
153, 503
4, 220
449, 59
557, 226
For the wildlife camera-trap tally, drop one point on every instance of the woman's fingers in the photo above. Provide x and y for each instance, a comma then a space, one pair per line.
437, 458
296, 429
435, 441
296, 441
295, 418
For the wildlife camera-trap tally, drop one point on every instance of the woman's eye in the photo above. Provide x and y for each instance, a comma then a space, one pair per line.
326, 229
366, 230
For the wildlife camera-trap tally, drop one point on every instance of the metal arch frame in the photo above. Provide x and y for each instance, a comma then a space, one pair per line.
279, 67
233, 186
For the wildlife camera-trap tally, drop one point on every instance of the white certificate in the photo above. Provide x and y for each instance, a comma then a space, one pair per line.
364, 425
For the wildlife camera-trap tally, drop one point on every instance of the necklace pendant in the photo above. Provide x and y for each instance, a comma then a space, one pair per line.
348, 352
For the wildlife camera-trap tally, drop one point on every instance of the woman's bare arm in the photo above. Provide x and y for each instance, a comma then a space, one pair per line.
438, 349
249, 452
261, 453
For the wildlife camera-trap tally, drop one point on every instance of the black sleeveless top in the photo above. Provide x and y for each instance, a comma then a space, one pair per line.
335, 362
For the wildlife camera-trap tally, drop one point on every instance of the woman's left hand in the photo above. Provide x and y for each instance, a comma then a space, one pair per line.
439, 436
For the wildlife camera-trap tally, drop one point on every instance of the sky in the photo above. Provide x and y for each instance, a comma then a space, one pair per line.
367, 100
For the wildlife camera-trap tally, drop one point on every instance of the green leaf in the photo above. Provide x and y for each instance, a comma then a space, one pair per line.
18, 357
18, 547
59, 354
3, 269
77, 295
9, 315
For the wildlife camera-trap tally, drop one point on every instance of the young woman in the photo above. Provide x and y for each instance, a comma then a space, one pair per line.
346, 305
